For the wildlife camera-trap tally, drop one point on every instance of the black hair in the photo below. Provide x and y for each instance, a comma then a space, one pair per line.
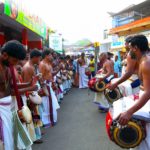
128, 39
14, 49
45, 53
110, 54
35, 53
141, 42
61, 58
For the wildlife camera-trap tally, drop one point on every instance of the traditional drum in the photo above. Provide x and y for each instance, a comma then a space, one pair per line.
87, 71
100, 86
25, 115
35, 98
71, 73
134, 132
112, 95
91, 84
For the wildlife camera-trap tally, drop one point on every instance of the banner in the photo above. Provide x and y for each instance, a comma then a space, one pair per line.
55, 42
15, 10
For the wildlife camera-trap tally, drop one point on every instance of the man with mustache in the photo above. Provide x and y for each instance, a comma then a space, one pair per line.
139, 48
11, 53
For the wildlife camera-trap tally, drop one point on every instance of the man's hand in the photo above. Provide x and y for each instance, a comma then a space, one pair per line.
35, 87
36, 78
112, 86
124, 118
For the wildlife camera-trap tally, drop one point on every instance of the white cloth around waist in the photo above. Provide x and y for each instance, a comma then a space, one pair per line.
126, 103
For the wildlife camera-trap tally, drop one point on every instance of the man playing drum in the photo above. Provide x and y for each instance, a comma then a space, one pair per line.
140, 50
106, 74
130, 72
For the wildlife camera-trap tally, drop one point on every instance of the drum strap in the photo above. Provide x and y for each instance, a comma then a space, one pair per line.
50, 106
18, 97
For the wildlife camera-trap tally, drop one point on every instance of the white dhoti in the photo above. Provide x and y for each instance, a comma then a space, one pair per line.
45, 111
142, 114
101, 100
22, 138
64, 86
61, 94
83, 78
145, 144
126, 88
46, 119
55, 104
6, 123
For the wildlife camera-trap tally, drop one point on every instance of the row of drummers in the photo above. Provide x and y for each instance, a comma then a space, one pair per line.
117, 101
38, 108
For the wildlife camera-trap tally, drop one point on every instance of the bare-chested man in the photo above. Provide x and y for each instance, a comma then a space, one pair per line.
107, 69
11, 53
106, 73
50, 103
28, 73
140, 50
131, 68
83, 78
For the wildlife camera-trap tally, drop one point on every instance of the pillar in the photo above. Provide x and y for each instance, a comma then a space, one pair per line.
25, 38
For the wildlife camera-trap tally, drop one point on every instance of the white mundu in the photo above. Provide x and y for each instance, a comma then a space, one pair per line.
126, 88
83, 78
142, 114
7, 122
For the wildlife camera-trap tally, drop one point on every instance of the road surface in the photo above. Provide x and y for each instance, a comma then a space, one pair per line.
80, 126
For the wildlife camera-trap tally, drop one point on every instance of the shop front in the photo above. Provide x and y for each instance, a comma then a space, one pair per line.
18, 23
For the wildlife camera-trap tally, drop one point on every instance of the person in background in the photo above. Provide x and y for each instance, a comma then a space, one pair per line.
117, 66
92, 66
83, 78
75, 70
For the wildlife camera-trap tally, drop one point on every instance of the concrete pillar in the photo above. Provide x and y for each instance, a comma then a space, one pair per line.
25, 38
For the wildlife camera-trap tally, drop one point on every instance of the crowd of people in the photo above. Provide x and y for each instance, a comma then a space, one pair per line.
125, 96
32, 86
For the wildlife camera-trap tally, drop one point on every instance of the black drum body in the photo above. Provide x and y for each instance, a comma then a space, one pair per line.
112, 95
129, 136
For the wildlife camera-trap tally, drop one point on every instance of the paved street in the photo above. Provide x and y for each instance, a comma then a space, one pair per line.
80, 127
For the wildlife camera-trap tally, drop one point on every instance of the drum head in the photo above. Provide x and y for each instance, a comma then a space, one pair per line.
112, 95
100, 86
71, 73
129, 136
26, 114
35, 98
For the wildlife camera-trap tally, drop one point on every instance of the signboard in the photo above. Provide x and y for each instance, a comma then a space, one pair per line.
117, 42
15, 10
55, 42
